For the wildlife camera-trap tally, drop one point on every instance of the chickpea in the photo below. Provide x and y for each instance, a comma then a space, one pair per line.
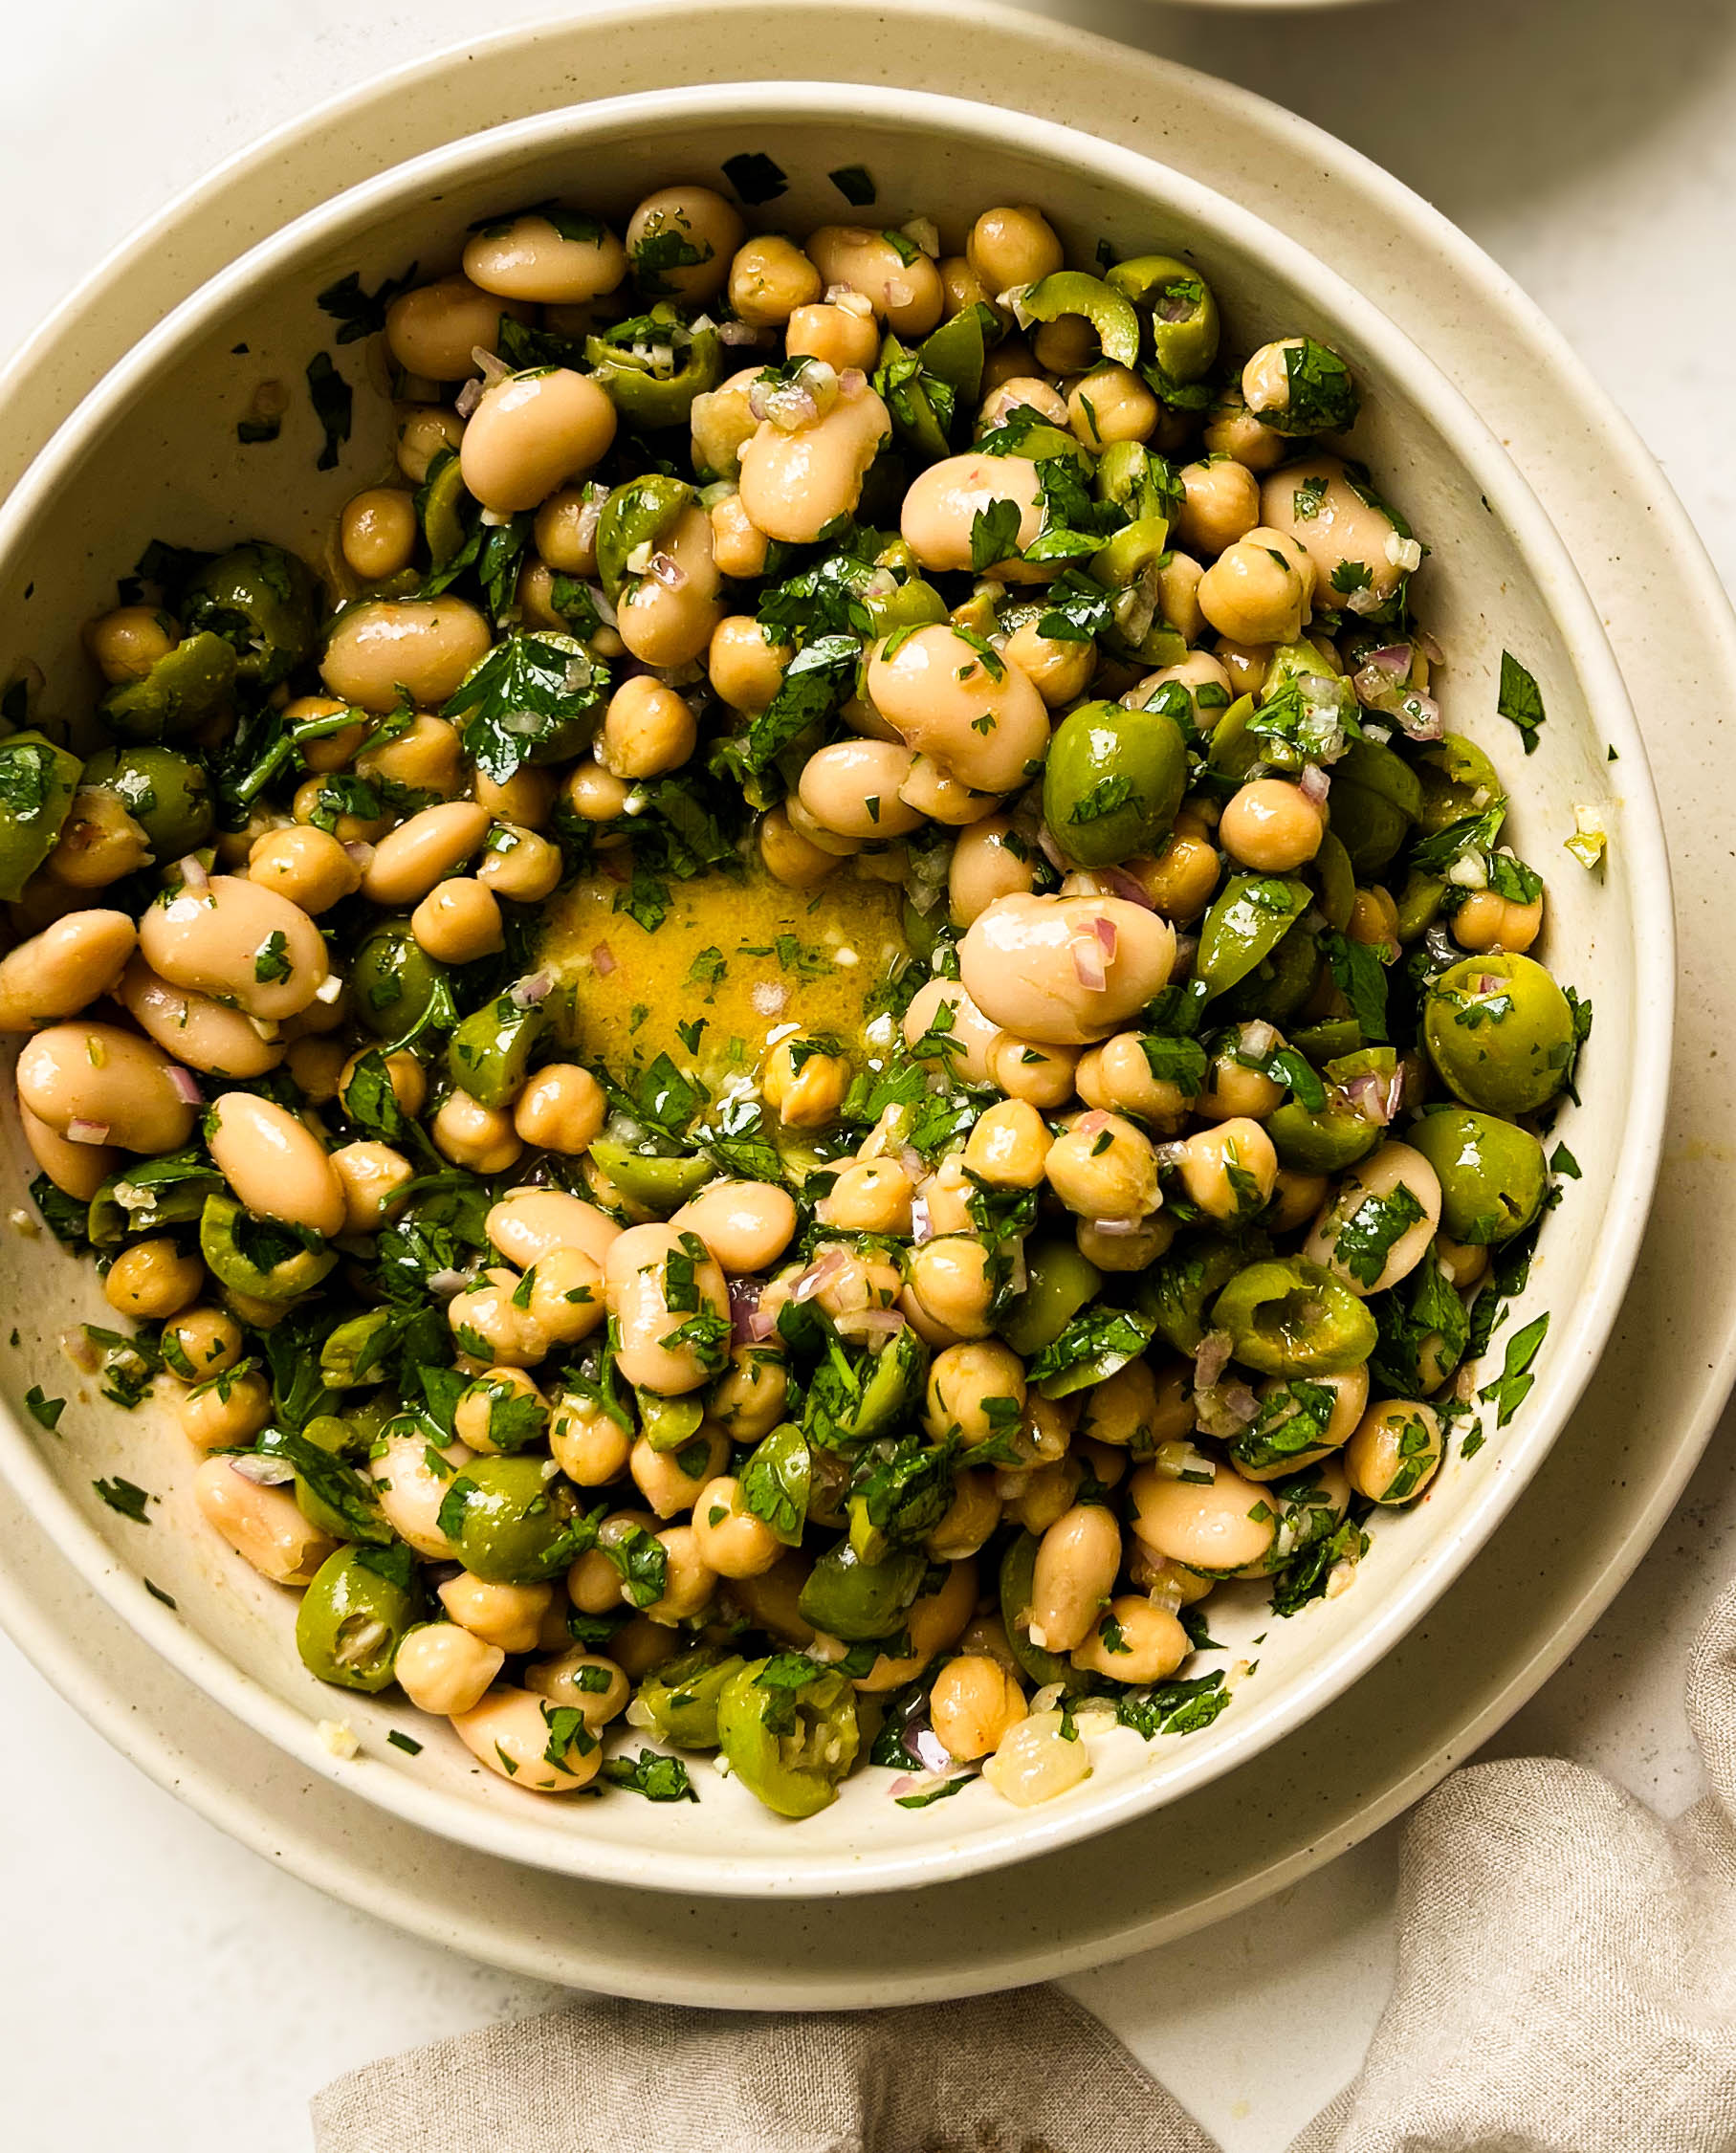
124, 645
524, 800
970, 1520
1232, 1090
1111, 1245
1464, 1265
314, 1065
434, 330
747, 1226
566, 1302
533, 259
591, 1448
989, 861
901, 284
669, 623
446, 1669
200, 1343
426, 646
583, 1681
696, 227
594, 794
565, 529
1231, 429
371, 1176
841, 334
1009, 1146
648, 729
751, 1394
1027, 392
689, 1581
504, 1400
1295, 1199
1378, 1182
98, 841
224, 1410
951, 1288
482, 1138
1221, 504
562, 1108
458, 921
1135, 1642
737, 547
789, 857
1246, 664
1272, 826
307, 866
975, 1390
1012, 246
746, 663
671, 1481
1117, 1077
424, 432
946, 1196
377, 533
1396, 1451
1259, 589
404, 1073
1488, 921
153, 1280
507, 1615
870, 1195
519, 865
1374, 919
1028, 1068
262, 1525
1229, 1171
1110, 403
973, 1705
533, 432
802, 1085
1103, 1167
511, 1732
769, 278
731, 1541
1035, 1762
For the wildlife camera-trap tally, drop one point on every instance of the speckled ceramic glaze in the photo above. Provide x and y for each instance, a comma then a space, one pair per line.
1259, 1823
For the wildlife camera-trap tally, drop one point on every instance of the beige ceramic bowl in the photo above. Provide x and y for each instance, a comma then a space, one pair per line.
152, 452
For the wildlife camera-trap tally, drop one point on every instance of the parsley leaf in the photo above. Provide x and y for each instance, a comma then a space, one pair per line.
1094, 1344
1520, 699
1365, 1238
362, 311
43, 1410
533, 698
331, 398
995, 534
122, 1496
1361, 977
1174, 1707
1509, 1388
658, 1778
755, 177
855, 182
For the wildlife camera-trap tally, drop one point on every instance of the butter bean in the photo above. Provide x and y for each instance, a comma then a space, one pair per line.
434, 330
411, 859
979, 718
1027, 962
107, 1079
274, 1163
77, 1170
747, 1226
57, 973
425, 645
198, 1031
511, 1732
531, 259
238, 942
262, 1525
532, 433
1218, 1526
527, 1224
636, 1275
411, 1477
793, 484
852, 787
944, 501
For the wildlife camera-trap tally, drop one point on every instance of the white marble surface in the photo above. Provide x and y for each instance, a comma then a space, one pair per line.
163, 1980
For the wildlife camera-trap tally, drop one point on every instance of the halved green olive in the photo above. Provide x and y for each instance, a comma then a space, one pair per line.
1074, 292
264, 602
857, 1600
37, 781
397, 985
1250, 915
1059, 1282
639, 514
354, 1615
789, 1738
1290, 1317
1113, 783
1492, 1174
1174, 1291
653, 366
660, 1183
184, 686
681, 1697
1179, 311
1456, 779
253, 1257
489, 1055
167, 794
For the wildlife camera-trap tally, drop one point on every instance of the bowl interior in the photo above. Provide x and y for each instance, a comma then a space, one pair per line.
154, 453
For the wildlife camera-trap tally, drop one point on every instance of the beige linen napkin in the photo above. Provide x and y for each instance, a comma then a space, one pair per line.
1565, 1984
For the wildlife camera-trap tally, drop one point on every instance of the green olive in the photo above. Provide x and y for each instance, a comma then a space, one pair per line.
857, 1600
175, 1199
253, 1257
1174, 1291
788, 1740
660, 1183
1456, 779
1375, 798
954, 352
639, 514
891, 1385
1323, 1139
784, 1461
1059, 1282
1137, 547
489, 1055
264, 602
353, 1614
1108, 309
1335, 879
1493, 1177
1501, 1033
354, 1353
1138, 480
668, 1423
167, 794
396, 984
1179, 312
446, 507
1250, 915
1417, 905
915, 604
37, 781
647, 388
680, 1700
185, 687
1113, 783
1280, 984
908, 400
510, 1520
1290, 1317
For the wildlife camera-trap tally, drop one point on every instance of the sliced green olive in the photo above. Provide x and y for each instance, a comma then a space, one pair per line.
167, 794
1059, 1282
639, 514
1017, 1578
1180, 310
251, 1257
681, 1697
1376, 800
489, 1055
447, 508
789, 1738
898, 377
354, 1353
660, 1183
1138, 480
1456, 779
857, 1600
37, 781
510, 1520
653, 367
264, 602
1074, 292
354, 1615
1174, 1291
1249, 918
1290, 1317
954, 352
184, 686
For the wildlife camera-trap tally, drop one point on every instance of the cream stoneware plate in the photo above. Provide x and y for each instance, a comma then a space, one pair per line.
153, 453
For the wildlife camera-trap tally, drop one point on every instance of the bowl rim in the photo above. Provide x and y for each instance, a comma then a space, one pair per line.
1023, 1835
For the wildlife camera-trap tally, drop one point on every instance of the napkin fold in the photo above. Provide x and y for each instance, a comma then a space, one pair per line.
1565, 1984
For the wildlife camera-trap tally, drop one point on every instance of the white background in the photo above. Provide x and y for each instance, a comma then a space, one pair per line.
163, 1988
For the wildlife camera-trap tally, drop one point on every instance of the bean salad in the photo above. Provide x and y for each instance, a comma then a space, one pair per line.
824, 1028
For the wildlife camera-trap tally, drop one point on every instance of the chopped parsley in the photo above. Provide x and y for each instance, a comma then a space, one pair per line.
123, 1496
332, 400
1520, 700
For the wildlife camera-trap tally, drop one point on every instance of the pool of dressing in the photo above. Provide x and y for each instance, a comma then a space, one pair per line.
735, 964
